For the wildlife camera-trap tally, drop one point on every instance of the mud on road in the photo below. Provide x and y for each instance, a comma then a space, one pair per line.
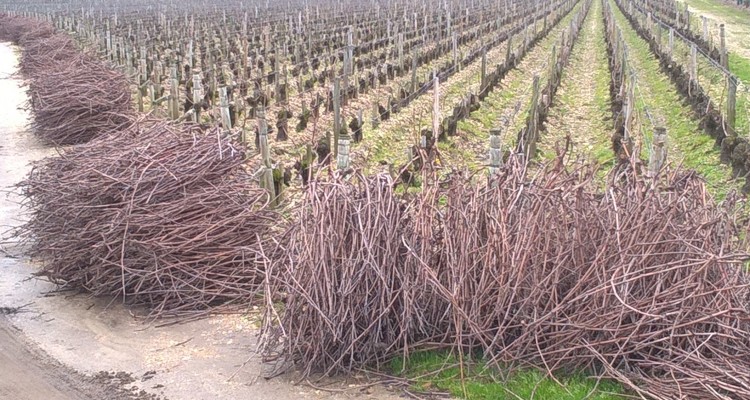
27, 373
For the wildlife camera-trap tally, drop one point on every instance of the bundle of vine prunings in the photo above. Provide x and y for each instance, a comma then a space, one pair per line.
74, 96
74, 102
639, 283
341, 274
161, 215
21, 30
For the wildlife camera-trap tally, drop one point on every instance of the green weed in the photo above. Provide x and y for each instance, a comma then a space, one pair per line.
440, 371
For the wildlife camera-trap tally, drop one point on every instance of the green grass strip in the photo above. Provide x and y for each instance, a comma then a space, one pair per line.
437, 371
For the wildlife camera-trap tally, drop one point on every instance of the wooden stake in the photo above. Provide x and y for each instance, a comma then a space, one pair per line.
226, 120
507, 49
694, 64
342, 158
483, 75
197, 96
436, 107
658, 151
174, 93
414, 70
723, 49
671, 41
336, 114
266, 180
496, 153
731, 104
401, 51
454, 44
532, 128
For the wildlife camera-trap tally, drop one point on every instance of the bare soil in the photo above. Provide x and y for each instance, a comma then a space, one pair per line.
27, 373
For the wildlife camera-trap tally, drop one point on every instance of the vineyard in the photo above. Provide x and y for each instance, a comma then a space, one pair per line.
553, 186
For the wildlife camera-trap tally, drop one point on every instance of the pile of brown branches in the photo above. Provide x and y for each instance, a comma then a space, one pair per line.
161, 215
342, 271
639, 283
74, 96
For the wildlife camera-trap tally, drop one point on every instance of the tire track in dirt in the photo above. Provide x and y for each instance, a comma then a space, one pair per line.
658, 100
581, 106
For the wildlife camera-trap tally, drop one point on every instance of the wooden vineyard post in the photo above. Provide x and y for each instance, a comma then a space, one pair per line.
454, 44
629, 107
507, 49
705, 27
361, 121
414, 71
659, 37
156, 85
731, 104
483, 74
693, 64
110, 54
496, 151
277, 75
525, 40
129, 62
658, 151
266, 178
671, 41
336, 115
552, 77
623, 70
375, 121
401, 51
190, 54
226, 120
389, 28
531, 134
174, 94
723, 49
197, 96
141, 83
436, 107
348, 59
151, 89
342, 158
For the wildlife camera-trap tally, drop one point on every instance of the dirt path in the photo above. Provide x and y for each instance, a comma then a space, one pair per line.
57, 346
581, 105
27, 373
